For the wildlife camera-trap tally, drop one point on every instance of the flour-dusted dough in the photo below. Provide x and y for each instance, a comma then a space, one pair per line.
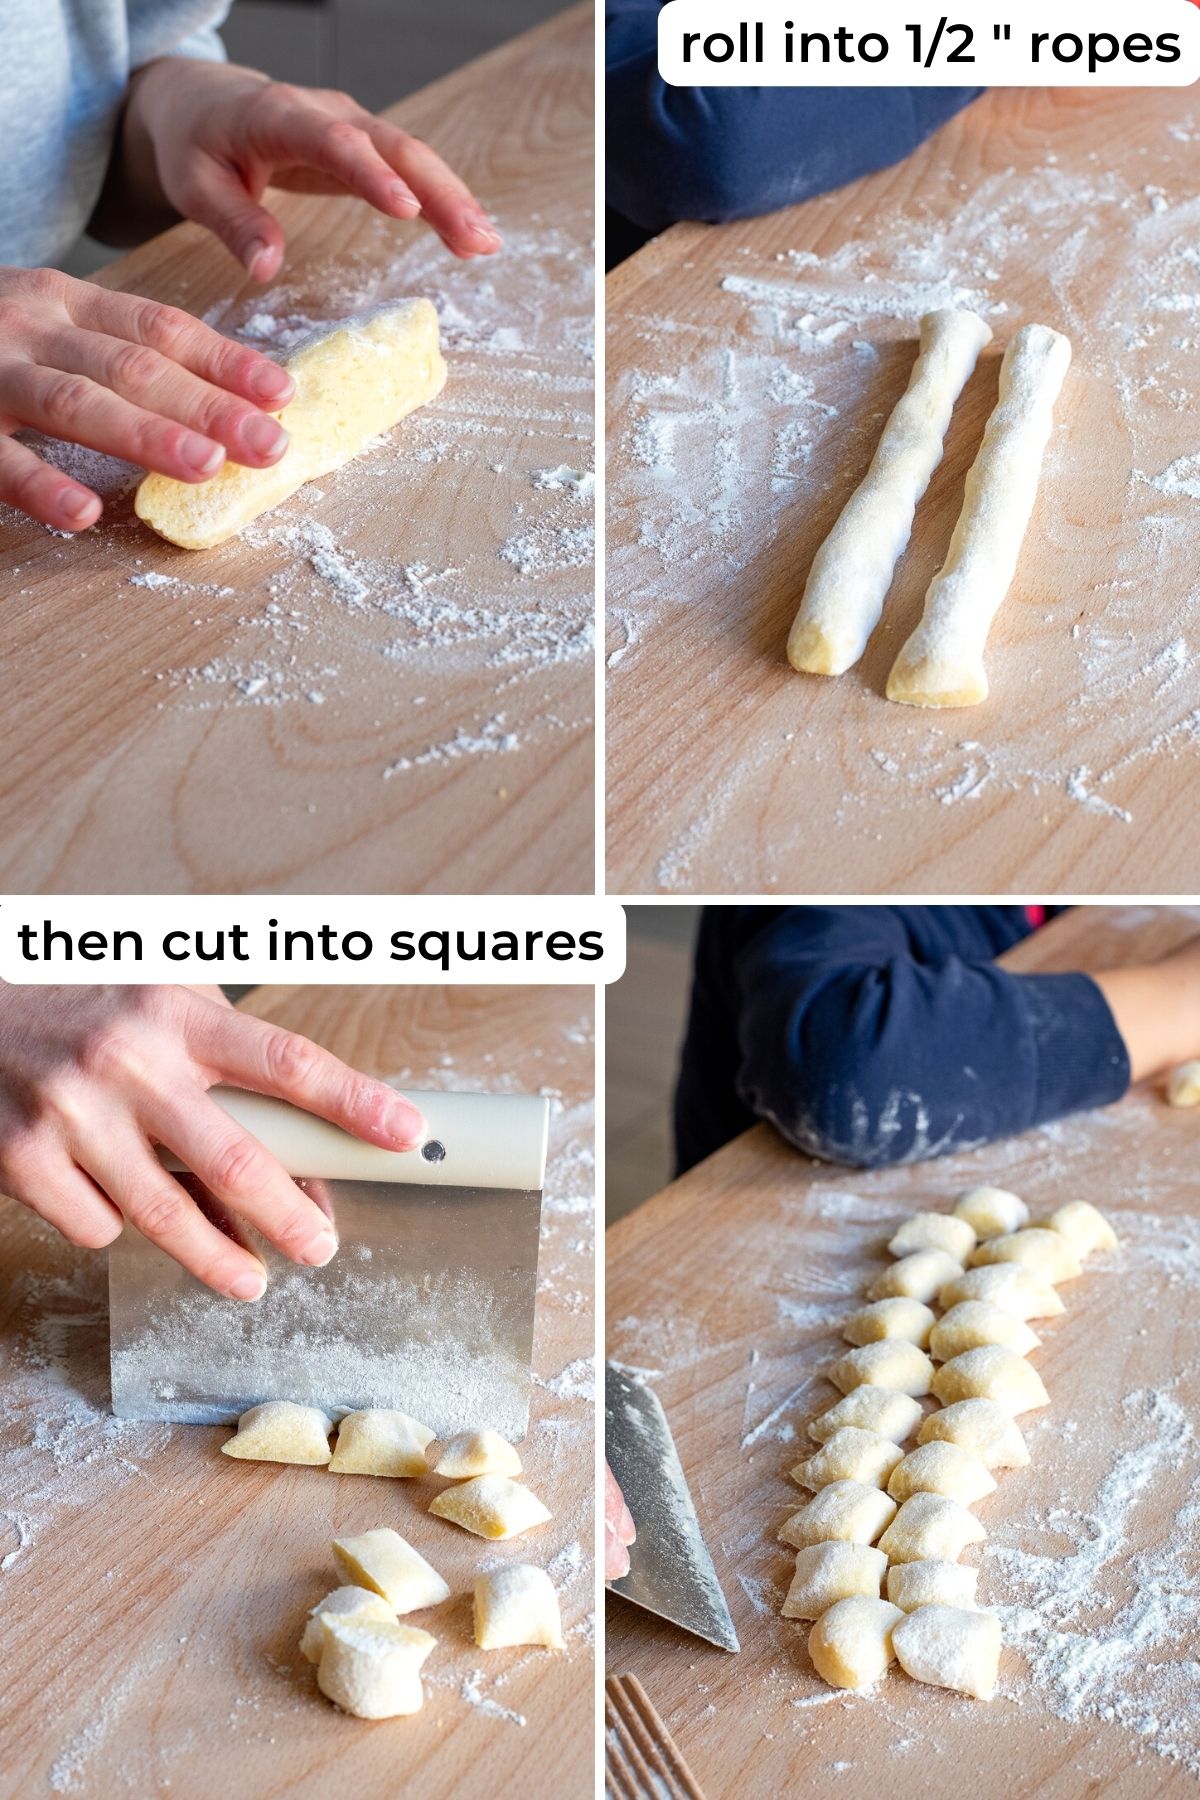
377, 1441
934, 1231
477, 1453
344, 1603
980, 1426
851, 1644
931, 1583
950, 1647
930, 1527
1010, 1286
894, 1318
941, 1467
281, 1431
386, 1563
942, 662
491, 1506
373, 1669
517, 1605
1046, 1254
851, 1454
991, 1210
852, 571
973, 1323
1084, 1227
991, 1373
850, 1512
893, 1363
1183, 1085
827, 1573
916, 1277
352, 382
894, 1416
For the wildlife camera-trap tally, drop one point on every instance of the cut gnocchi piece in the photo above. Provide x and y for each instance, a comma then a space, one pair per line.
894, 1318
847, 1512
477, 1453
1084, 1227
342, 1603
991, 1210
892, 1363
915, 1277
491, 1506
980, 1426
894, 1416
972, 1324
1009, 1286
827, 1573
991, 1373
387, 1564
517, 1605
1183, 1085
1046, 1254
851, 1644
935, 1231
373, 1669
950, 1647
377, 1441
930, 1528
281, 1431
940, 1467
932, 1583
851, 1454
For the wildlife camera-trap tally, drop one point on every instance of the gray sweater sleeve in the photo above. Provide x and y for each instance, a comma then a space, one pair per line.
68, 68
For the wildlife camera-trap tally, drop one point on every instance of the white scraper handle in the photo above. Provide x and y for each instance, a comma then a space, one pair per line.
470, 1140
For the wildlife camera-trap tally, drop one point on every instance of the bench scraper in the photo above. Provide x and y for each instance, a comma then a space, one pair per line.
671, 1573
427, 1307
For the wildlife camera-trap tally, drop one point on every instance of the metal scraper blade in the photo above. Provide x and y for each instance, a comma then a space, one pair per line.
428, 1307
671, 1572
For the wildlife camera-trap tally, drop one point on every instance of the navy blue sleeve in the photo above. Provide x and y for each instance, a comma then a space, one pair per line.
714, 154
874, 1035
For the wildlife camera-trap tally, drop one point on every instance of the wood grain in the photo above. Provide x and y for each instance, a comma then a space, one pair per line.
452, 749
641, 1759
742, 417
153, 1614
728, 1286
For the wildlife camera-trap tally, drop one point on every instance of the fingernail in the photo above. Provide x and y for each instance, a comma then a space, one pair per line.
402, 1121
403, 195
320, 1250
248, 1287
270, 382
264, 436
76, 506
257, 251
201, 454
628, 1530
481, 231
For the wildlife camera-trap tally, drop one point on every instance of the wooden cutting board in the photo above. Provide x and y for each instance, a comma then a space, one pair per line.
751, 367
154, 1591
728, 1288
386, 688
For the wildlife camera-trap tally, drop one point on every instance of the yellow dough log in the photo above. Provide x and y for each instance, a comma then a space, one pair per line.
353, 382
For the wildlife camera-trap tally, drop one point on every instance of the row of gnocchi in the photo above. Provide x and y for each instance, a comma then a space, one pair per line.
367, 1661
880, 1515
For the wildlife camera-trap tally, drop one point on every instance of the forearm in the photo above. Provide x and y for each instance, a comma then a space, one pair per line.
132, 205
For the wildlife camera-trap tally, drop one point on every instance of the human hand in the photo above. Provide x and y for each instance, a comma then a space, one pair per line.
1156, 1008
92, 1078
619, 1530
129, 377
220, 135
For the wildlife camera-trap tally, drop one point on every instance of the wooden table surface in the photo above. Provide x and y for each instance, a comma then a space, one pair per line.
728, 1288
154, 1591
160, 728
751, 367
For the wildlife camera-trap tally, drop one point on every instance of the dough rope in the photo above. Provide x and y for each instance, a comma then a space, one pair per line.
883, 1517
941, 664
853, 568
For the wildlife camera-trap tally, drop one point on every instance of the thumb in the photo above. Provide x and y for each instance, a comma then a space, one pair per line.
217, 197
